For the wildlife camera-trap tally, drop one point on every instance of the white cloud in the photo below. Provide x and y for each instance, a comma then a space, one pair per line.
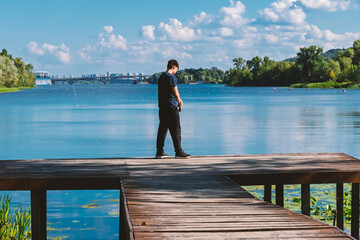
333, 37
202, 19
108, 29
240, 43
86, 51
231, 16
32, 47
111, 41
148, 32
284, 11
226, 32
216, 38
327, 5
271, 38
314, 32
61, 52
175, 31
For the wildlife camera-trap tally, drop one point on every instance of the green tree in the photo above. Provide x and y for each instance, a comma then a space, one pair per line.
308, 62
331, 70
8, 72
356, 48
239, 62
240, 77
254, 66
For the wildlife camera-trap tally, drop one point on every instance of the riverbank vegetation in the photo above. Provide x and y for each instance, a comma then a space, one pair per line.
14, 73
191, 75
309, 70
14, 224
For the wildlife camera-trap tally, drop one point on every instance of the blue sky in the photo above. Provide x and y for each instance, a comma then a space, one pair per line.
92, 36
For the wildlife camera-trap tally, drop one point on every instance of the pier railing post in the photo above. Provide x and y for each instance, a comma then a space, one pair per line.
340, 205
280, 195
305, 199
267, 193
38, 214
355, 210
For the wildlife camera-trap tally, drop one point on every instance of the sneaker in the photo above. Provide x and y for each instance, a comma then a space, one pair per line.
161, 155
182, 155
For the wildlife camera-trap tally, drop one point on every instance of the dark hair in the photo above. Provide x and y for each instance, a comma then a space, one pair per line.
172, 63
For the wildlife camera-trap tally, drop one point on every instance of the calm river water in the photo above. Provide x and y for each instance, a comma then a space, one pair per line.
121, 121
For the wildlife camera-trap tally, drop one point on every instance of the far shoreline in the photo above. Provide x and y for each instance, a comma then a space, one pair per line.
13, 89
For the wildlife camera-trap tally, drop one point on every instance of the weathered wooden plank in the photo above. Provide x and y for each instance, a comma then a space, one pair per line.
126, 228
289, 234
174, 212
327, 164
191, 198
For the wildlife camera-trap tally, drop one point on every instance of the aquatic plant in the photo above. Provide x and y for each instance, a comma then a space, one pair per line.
14, 224
323, 201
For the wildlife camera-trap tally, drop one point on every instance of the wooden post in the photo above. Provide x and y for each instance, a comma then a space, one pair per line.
122, 220
305, 199
267, 193
340, 205
38, 214
280, 195
355, 210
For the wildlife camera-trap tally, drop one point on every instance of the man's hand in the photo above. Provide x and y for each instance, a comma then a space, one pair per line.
177, 96
180, 105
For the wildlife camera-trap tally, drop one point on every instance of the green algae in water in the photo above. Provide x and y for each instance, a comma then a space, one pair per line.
91, 205
323, 200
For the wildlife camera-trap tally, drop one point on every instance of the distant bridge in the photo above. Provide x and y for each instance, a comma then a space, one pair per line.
104, 79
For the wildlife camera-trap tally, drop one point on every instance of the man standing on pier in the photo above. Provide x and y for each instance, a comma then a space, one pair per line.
170, 104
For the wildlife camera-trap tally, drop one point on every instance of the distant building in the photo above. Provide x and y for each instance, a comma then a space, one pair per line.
41, 74
42, 78
126, 76
88, 75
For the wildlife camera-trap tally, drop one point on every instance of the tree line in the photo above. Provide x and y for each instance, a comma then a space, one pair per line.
310, 69
14, 72
189, 75
338, 69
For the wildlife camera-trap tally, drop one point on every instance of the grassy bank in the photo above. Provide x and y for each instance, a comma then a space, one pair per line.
14, 223
15, 89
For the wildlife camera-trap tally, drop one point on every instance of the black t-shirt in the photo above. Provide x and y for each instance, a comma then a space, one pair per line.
165, 93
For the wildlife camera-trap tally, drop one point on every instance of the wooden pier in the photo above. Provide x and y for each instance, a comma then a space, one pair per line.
196, 198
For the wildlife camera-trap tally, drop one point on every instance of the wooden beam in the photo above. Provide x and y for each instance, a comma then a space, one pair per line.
295, 178
38, 214
340, 205
280, 195
305, 199
73, 183
355, 210
126, 227
267, 193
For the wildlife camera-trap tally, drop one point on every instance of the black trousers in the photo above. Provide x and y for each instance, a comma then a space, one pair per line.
169, 119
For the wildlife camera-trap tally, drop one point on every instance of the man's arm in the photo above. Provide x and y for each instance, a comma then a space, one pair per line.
177, 97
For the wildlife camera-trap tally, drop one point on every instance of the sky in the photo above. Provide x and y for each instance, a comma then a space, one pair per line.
74, 37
